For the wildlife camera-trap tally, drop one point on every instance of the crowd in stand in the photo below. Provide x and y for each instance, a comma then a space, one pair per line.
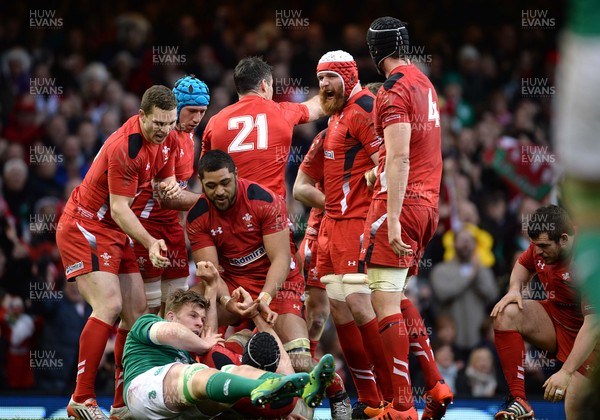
67, 81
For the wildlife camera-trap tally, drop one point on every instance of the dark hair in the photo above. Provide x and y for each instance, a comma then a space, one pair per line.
179, 298
158, 96
552, 220
214, 160
249, 72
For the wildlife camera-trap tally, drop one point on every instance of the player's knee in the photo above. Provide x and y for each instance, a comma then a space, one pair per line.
509, 317
153, 294
317, 323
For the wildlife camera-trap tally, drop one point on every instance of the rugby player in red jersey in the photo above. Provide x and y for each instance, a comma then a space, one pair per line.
256, 131
242, 227
349, 149
403, 215
95, 232
560, 324
192, 100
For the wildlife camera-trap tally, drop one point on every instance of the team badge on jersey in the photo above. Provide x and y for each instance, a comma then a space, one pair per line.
106, 259
141, 261
165, 152
247, 218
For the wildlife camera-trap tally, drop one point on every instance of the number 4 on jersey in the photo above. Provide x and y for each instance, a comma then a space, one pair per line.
248, 124
434, 114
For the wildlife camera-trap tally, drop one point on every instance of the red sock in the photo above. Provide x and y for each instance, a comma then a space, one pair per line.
119, 346
92, 342
313, 347
511, 349
356, 359
393, 334
419, 343
374, 349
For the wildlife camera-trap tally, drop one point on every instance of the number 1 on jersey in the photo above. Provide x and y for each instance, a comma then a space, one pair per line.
248, 124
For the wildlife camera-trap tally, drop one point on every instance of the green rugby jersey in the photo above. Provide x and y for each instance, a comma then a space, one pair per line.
141, 354
584, 17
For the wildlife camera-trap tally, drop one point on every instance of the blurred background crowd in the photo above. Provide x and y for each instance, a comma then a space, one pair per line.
72, 72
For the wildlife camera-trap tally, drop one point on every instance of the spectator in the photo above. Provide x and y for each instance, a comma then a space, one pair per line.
64, 319
465, 288
479, 377
18, 327
448, 367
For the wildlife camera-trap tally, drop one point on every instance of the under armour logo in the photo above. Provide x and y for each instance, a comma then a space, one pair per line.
218, 230
351, 263
541, 264
296, 306
566, 276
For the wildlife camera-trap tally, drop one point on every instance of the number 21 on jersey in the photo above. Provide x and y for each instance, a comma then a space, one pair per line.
247, 124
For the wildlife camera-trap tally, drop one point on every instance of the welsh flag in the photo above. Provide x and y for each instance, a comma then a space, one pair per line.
526, 167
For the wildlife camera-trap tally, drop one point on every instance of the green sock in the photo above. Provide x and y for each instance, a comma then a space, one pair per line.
269, 375
228, 388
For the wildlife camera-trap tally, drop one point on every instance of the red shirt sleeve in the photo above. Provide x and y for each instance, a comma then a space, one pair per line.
313, 162
294, 113
272, 216
207, 136
393, 106
199, 232
123, 172
526, 259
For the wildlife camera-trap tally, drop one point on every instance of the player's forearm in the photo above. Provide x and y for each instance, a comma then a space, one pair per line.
211, 325
309, 196
396, 172
586, 340
314, 108
519, 277
277, 274
176, 335
183, 202
130, 224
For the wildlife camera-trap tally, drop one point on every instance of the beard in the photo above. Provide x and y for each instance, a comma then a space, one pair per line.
332, 105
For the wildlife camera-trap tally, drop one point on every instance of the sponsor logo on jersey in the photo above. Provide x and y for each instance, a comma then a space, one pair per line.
74, 267
216, 231
541, 264
329, 154
247, 259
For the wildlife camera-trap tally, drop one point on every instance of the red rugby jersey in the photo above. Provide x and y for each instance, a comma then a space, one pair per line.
145, 206
257, 133
408, 96
125, 165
